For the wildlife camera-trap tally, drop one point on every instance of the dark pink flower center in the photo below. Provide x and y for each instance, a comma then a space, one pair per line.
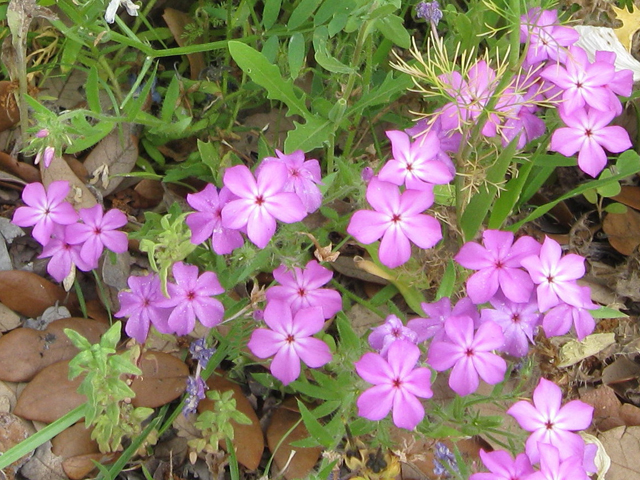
302, 292
259, 200
396, 332
548, 425
396, 218
290, 339
469, 352
191, 295
397, 383
515, 318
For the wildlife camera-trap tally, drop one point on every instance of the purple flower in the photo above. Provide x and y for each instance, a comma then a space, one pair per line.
64, 255
99, 231
584, 83
517, 320
430, 11
587, 132
397, 384
555, 467
437, 314
391, 330
416, 164
143, 307
547, 39
300, 289
469, 354
397, 219
444, 461
503, 467
45, 209
200, 353
498, 265
190, 297
304, 177
556, 276
206, 222
261, 201
551, 423
289, 340
195, 393
558, 320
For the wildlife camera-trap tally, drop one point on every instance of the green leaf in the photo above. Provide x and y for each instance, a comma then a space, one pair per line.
349, 341
607, 312
170, 100
616, 208
322, 55
448, 281
391, 88
610, 189
91, 137
70, 54
296, 54
392, 27
328, 9
93, 92
270, 13
312, 134
316, 430
302, 13
78, 340
112, 336
591, 196
268, 76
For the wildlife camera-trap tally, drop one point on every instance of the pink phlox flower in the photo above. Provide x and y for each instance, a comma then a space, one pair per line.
436, 315
470, 354
583, 82
46, 156
559, 319
190, 298
98, 231
553, 466
397, 385
390, 331
300, 288
470, 97
416, 164
397, 219
289, 340
449, 139
64, 255
622, 83
260, 201
552, 423
206, 222
547, 39
517, 320
498, 264
526, 126
588, 133
142, 306
304, 177
556, 276
45, 209
503, 466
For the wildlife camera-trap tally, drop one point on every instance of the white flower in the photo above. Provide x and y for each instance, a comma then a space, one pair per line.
112, 8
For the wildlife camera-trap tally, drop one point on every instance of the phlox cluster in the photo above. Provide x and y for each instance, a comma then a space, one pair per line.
553, 451
296, 310
71, 239
284, 188
518, 286
400, 194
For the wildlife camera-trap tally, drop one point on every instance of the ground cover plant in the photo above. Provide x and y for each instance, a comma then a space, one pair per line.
388, 239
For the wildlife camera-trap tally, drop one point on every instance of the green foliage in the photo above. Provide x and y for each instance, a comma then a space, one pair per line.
107, 376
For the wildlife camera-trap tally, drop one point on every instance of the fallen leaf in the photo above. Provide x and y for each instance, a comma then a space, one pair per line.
44, 465
630, 25
623, 230
622, 375
50, 394
24, 351
115, 154
574, 351
8, 396
27, 293
300, 464
9, 164
177, 21
81, 466
13, 430
75, 440
248, 439
163, 379
9, 111
79, 196
622, 445
8, 319
629, 196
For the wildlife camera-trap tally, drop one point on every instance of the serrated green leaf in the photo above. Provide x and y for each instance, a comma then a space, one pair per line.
268, 76
312, 134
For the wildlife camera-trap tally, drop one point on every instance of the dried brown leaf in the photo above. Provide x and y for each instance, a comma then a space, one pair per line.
177, 21
163, 379
629, 195
9, 164
44, 465
75, 440
622, 444
50, 394
27, 293
79, 195
13, 430
115, 154
623, 230
304, 459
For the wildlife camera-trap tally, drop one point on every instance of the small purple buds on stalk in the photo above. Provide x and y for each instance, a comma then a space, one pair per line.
429, 11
